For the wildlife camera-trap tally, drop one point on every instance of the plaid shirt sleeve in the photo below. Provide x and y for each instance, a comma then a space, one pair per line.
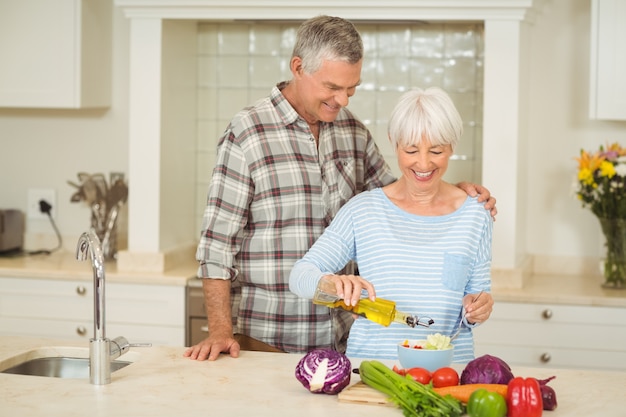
226, 212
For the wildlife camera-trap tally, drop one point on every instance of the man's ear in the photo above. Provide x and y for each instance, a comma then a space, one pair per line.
296, 66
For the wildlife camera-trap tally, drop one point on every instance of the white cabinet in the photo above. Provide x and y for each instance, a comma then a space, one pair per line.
607, 98
55, 53
552, 335
64, 309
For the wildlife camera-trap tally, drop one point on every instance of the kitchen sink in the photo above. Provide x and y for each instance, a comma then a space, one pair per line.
59, 367
58, 362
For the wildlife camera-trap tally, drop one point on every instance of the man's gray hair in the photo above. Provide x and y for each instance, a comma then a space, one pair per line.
327, 38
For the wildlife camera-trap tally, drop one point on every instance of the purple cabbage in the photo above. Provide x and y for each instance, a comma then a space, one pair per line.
486, 369
324, 371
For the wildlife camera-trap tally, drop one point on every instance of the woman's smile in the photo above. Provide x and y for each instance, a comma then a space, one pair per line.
423, 175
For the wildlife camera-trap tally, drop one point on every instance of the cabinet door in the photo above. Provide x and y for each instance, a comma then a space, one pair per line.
64, 309
607, 98
141, 333
554, 357
46, 308
55, 53
147, 313
46, 299
159, 305
555, 335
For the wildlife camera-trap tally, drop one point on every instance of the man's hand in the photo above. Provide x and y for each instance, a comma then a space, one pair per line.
220, 340
483, 194
211, 347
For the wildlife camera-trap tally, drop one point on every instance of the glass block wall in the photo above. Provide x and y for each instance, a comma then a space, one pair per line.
240, 62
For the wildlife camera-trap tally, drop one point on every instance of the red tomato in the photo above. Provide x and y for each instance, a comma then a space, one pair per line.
420, 375
399, 371
445, 377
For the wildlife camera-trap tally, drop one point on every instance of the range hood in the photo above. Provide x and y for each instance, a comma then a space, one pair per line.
162, 124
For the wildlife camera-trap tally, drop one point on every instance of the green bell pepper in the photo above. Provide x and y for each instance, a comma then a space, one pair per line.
483, 403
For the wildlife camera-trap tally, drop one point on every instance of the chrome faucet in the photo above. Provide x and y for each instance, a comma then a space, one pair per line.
101, 350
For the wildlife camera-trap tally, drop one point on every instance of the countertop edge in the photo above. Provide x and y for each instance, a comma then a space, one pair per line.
64, 266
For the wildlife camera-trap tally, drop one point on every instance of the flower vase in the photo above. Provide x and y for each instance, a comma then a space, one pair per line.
615, 262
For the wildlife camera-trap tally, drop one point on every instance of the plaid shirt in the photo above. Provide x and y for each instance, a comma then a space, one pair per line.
272, 194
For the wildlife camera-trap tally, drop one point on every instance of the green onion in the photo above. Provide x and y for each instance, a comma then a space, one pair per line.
415, 399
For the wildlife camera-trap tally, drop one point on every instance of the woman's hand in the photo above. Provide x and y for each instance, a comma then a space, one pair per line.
347, 287
483, 194
478, 309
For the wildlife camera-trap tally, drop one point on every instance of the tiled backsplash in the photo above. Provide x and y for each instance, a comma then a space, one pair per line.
240, 62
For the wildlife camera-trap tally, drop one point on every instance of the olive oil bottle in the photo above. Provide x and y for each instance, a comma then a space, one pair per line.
381, 311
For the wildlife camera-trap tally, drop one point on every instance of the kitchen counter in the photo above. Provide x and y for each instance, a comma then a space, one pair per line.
564, 289
161, 382
64, 265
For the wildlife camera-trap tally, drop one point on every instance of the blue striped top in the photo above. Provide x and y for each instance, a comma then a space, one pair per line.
426, 264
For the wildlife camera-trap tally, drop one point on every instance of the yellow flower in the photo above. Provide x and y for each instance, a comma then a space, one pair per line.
607, 169
586, 176
601, 181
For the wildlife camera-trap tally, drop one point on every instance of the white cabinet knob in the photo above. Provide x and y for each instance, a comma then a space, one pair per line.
546, 314
81, 290
81, 330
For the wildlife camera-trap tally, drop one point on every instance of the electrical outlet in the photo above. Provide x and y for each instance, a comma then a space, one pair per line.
37, 194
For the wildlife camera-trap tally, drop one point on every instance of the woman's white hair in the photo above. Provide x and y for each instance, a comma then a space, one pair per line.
428, 115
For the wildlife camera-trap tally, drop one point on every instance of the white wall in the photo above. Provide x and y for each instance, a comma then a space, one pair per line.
560, 233
44, 149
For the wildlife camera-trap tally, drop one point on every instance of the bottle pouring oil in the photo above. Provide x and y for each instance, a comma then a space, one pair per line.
381, 311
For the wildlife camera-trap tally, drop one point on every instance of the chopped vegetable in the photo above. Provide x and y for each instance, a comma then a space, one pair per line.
548, 395
415, 399
324, 371
437, 341
483, 403
523, 398
408, 345
463, 392
486, 369
445, 377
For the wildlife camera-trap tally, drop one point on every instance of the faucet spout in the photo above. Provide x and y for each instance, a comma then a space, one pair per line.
89, 244
99, 346
101, 350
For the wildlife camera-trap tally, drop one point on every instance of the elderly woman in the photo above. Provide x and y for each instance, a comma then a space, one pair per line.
419, 241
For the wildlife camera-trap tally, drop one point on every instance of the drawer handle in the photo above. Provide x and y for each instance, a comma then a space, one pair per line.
204, 329
545, 358
81, 290
81, 330
547, 314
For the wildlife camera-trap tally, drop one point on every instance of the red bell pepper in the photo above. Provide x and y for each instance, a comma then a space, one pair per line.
523, 398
